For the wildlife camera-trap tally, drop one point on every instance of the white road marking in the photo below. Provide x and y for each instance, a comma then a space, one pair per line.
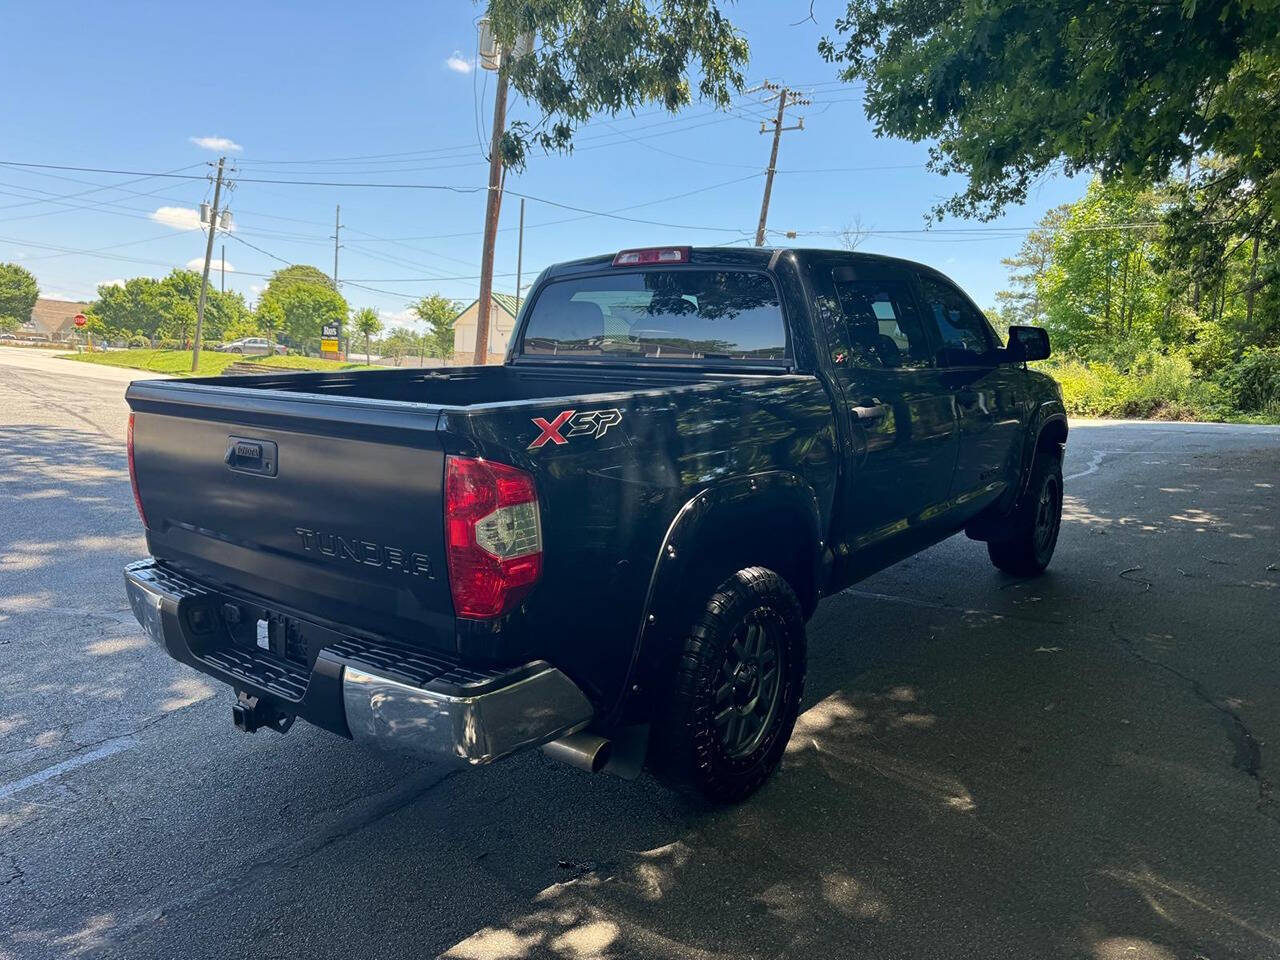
1092, 468
58, 769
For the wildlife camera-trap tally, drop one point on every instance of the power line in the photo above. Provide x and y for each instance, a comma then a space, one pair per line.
400, 186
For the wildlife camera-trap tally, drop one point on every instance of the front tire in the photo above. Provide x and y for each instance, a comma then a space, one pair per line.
736, 691
1025, 548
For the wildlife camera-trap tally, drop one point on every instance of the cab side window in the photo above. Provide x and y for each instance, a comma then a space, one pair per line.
881, 322
966, 337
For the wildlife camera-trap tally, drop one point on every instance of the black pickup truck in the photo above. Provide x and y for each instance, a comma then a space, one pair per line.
609, 545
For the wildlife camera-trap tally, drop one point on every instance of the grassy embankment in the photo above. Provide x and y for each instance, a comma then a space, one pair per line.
1166, 388
212, 363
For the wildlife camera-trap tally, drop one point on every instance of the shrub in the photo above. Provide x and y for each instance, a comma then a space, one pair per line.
1253, 381
1156, 387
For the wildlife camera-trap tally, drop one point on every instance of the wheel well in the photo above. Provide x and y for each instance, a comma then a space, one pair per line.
755, 535
1055, 431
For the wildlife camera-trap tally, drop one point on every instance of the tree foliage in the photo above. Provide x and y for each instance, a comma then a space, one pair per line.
300, 310
18, 294
366, 323
151, 309
610, 56
298, 273
438, 313
298, 301
1011, 90
1108, 279
400, 344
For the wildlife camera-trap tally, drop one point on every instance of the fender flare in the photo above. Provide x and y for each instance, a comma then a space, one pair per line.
789, 495
1048, 416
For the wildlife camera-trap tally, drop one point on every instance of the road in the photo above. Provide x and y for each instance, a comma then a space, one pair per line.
1076, 766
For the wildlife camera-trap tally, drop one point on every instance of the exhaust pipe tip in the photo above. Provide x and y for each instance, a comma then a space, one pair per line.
586, 751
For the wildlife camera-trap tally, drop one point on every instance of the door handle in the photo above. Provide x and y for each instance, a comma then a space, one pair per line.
873, 412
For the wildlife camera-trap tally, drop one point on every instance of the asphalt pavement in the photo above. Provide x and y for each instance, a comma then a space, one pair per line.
1081, 765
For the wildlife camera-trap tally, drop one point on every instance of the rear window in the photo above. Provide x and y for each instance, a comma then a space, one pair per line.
659, 314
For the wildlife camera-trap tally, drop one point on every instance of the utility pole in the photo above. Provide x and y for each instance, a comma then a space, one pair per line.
520, 252
493, 206
785, 97
208, 256
337, 229
222, 281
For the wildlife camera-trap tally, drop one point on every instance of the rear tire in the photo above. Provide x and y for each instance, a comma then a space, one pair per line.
1026, 546
735, 694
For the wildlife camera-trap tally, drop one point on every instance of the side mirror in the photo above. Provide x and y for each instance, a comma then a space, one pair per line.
1027, 343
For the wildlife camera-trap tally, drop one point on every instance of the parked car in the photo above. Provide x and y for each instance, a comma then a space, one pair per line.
608, 546
252, 346
8, 336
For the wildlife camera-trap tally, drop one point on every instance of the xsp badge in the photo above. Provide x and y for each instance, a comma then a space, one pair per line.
593, 422
372, 554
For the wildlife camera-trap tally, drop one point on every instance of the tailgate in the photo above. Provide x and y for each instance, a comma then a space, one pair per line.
327, 507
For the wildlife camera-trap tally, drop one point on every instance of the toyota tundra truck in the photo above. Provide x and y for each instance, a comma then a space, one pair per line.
609, 546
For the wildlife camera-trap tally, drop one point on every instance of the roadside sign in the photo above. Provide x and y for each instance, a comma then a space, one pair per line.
80, 319
330, 340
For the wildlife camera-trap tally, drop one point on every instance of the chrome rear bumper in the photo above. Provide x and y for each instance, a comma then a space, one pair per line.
526, 708
385, 695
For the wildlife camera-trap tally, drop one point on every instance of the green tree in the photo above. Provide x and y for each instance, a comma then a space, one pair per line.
302, 309
18, 294
144, 307
438, 313
1104, 291
1021, 304
299, 300
610, 56
1008, 90
368, 325
297, 273
399, 344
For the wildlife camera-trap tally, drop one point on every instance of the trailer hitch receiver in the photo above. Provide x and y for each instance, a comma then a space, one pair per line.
251, 714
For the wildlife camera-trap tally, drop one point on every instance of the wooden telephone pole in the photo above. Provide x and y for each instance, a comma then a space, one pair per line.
208, 257
493, 207
786, 97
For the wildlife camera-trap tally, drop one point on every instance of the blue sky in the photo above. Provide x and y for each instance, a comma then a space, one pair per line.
299, 89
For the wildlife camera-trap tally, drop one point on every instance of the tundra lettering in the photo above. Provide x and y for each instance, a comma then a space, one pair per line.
364, 551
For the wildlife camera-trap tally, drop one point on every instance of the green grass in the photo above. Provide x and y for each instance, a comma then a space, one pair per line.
212, 363
293, 362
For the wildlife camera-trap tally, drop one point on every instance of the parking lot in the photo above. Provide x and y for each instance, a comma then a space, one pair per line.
1076, 766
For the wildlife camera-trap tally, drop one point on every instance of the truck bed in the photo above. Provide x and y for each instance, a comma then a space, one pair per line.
468, 386
341, 519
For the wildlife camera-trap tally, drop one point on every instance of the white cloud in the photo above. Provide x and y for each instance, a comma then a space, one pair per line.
180, 218
216, 143
197, 264
460, 64
398, 318
117, 282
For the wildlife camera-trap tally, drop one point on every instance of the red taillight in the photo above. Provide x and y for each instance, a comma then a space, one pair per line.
634, 258
493, 535
133, 473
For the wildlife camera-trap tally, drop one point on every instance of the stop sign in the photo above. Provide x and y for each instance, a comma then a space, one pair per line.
81, 320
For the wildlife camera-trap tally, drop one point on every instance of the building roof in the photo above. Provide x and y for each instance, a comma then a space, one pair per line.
54, 318
506, 302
